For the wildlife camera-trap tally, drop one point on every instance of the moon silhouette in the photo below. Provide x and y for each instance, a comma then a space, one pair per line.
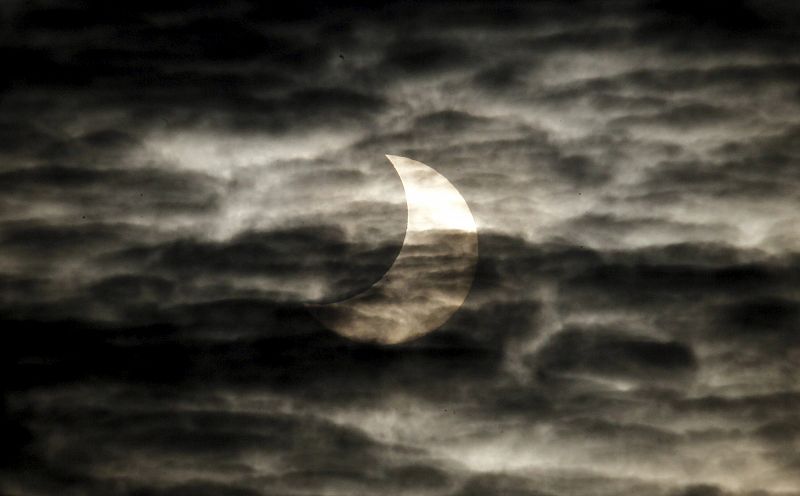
432, 274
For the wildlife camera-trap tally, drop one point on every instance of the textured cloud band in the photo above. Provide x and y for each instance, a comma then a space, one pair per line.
177, 180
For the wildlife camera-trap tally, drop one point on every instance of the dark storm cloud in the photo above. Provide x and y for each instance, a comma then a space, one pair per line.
630, 438
495, 483
273, 336
764, 316
423, 56
160, 71
751, 407
578, 483
109, 193
651, 84
270, 340
591, 227
248, 252
503, 76
646, 276
200, 347
726, 23
22, 138
25, 144
298, 111
304, 451
615, 354
36, 241
700, 490
692, 178
306, 256
753, 170
682, 116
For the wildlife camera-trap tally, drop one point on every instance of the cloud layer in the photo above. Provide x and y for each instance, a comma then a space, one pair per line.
179, 179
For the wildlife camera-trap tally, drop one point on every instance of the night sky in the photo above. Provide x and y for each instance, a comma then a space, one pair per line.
179, 179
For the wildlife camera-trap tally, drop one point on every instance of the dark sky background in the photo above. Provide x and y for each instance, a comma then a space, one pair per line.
178, 178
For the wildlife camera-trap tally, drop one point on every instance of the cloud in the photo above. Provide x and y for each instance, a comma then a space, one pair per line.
111, 194
177, 448
701, 490
179, 180
599, 353
682, 117
493, 483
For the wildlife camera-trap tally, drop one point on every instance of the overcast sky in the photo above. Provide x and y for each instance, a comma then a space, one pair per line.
177, 179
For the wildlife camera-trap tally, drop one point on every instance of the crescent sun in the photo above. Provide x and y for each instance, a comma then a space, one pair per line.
432, 274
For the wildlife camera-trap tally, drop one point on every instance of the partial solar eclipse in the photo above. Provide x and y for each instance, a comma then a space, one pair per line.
432, 274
